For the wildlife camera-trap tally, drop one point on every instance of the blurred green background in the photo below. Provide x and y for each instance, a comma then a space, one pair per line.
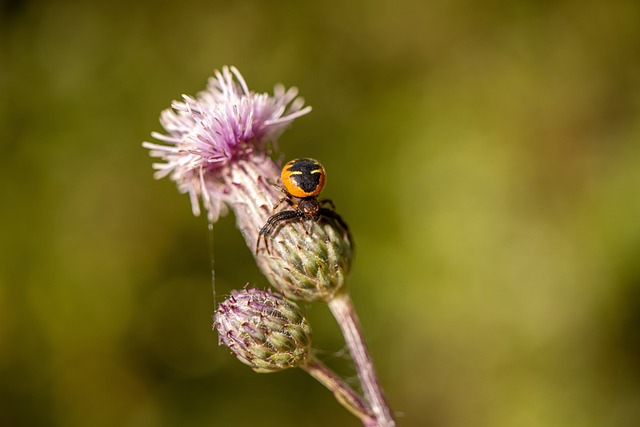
485, 154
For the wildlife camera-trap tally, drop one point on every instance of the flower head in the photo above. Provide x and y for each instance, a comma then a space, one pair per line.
223, 124
216, 149
263, 330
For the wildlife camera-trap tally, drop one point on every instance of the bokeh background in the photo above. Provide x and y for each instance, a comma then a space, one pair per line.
485, 154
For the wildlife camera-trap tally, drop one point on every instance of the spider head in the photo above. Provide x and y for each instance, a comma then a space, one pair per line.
309, 207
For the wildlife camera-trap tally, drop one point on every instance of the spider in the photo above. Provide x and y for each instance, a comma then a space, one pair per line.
303, 180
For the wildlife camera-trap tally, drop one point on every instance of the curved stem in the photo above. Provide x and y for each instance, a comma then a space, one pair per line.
343, 393
343, 310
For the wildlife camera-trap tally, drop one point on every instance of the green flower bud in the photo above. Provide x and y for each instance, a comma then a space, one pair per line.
263, 330
308, 260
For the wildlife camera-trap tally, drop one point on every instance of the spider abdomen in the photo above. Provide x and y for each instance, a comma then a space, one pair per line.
303, 177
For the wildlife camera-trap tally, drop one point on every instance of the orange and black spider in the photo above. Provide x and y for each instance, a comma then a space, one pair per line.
303, 180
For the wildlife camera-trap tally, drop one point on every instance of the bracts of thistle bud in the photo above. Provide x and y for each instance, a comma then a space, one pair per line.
263, 330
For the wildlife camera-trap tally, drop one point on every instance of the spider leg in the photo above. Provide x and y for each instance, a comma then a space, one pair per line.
327, 202
282, 190
328, 213
284, 199
271, 224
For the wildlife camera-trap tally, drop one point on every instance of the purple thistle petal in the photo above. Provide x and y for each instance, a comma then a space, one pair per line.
222, 124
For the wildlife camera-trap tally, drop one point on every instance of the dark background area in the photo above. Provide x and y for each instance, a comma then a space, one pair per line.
485, 154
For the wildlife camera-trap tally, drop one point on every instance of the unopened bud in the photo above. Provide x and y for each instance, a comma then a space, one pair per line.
263, 330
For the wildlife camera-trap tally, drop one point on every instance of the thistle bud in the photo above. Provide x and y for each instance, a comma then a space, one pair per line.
263, 330
306, 259
309, 261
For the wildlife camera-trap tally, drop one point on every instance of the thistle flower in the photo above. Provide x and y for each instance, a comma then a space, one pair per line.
263, 330
217, 151
216, 148
221, 125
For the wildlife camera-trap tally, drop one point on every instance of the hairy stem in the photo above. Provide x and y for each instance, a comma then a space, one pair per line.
343, 393
342, 308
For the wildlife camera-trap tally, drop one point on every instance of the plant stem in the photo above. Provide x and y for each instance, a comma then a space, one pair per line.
343, 393
343, 310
